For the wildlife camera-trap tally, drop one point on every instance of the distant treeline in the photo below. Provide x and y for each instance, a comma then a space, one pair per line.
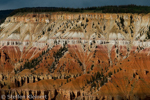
103, 9
4, 14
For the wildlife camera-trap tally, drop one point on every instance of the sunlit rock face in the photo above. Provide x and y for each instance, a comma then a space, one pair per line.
41, 27
59, 54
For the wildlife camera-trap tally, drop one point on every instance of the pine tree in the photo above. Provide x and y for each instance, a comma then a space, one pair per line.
98, 75
133, 75
109, 74
102, 83
114, 71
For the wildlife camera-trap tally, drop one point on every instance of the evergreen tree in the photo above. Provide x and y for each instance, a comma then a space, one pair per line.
109, 74
102, 83
114, 71
133, 75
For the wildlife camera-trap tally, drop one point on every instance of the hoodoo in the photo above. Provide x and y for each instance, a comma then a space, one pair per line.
2, 57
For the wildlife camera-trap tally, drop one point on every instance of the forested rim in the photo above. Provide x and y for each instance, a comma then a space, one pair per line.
103, 9
4, 14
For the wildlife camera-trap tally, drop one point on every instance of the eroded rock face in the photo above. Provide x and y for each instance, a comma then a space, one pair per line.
36, 29
75, 56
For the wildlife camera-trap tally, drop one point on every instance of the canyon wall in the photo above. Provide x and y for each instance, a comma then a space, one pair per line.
78, 56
